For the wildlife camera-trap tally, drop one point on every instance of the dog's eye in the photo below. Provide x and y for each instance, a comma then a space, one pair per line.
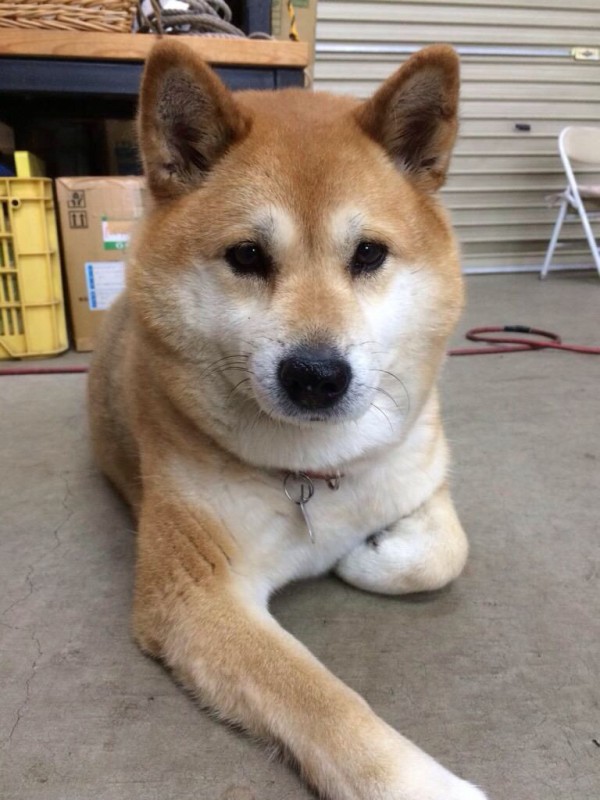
368, 257
248, 259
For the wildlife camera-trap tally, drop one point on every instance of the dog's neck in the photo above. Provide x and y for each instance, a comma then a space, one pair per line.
323, 452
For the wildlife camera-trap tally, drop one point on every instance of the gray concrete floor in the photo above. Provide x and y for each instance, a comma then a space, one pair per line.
499, 677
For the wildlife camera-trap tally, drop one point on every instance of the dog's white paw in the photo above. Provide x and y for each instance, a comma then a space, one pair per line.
465, 791
421, 777
448, 788
420, 553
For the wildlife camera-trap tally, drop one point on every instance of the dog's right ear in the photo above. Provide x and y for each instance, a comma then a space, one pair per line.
187, 120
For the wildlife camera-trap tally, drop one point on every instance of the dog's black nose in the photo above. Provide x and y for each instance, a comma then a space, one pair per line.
314, 377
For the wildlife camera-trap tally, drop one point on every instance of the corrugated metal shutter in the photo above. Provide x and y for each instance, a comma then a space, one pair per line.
517, 68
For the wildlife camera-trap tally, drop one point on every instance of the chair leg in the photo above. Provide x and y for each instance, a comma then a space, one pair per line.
562, 212
589, 234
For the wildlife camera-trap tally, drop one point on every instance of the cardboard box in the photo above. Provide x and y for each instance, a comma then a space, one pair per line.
7, 139
305, 12
122, 148
97, 217
7, 150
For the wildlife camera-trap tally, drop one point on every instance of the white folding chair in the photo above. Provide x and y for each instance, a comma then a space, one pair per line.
581, 145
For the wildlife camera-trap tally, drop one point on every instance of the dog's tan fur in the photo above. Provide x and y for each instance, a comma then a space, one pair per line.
200, 452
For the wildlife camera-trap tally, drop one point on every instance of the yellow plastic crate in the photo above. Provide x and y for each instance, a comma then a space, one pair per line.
32, 309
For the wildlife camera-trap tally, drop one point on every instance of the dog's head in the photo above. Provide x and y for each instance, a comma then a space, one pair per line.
295, 257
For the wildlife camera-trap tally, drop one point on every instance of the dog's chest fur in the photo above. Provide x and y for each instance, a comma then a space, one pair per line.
271, 543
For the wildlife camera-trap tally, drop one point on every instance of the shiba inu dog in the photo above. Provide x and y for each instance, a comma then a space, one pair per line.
264, 392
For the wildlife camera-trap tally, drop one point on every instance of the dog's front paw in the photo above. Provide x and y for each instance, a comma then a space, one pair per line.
417, 776
464, 791
419, 553
439, 787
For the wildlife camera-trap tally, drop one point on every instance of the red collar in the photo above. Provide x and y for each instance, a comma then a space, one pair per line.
332, 479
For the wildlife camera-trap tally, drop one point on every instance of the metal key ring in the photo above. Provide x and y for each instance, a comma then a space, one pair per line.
303, 482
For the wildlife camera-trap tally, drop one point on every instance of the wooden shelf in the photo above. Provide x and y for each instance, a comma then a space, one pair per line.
136, 46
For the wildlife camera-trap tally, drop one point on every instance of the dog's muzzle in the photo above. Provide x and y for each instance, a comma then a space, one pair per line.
314, 377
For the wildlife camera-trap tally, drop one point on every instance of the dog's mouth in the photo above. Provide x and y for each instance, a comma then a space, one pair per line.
281, 411
312, 385
279, 406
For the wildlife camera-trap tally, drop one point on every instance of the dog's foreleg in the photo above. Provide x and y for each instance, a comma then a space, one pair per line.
191, 611
421, 552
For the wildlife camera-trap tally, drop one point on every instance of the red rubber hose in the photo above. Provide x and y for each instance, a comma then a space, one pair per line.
512, 344
41, 370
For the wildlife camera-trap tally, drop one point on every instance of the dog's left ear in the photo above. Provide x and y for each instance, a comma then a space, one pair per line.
414, 115
186, 121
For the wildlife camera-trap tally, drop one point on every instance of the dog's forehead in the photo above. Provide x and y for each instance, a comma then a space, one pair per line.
311, 139
296, 107
307, 163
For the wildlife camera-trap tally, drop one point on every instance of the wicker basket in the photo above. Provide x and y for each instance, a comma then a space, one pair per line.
68, 15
